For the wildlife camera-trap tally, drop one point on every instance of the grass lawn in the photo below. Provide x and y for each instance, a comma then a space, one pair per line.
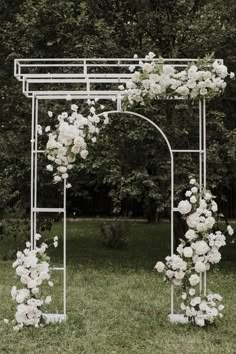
116, 303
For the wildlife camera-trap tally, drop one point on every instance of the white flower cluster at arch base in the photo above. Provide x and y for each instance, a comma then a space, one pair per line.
196, 254
70, 139
32, 267
152, 80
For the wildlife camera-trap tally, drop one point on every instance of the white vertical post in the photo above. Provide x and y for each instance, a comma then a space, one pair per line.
204, 143
204, 173
35, 171
64, 249
200, 145
32, 174
172, 227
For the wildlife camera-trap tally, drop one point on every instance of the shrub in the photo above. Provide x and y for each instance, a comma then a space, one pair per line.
115, 233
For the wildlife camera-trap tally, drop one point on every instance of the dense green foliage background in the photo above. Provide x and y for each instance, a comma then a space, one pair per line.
129, 167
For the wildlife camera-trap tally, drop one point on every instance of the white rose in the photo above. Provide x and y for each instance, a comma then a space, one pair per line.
84, 154
192, 292
193, 199
169, 273
200, 247
200, 267
184, 207
179, 275
190, 235
57, 179
194, 190
188, 252
194, 279
159, 267
193, 220
207, 196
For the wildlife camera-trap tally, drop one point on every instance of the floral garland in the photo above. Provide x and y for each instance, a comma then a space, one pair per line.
196, 254
70, 139
153, 80
32, 267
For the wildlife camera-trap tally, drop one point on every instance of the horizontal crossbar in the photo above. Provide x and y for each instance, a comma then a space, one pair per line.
54, 317
49, 210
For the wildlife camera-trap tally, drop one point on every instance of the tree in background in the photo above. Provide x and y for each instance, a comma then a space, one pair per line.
102, 28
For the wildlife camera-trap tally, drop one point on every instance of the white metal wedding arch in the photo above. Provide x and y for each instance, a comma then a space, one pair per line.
82, 79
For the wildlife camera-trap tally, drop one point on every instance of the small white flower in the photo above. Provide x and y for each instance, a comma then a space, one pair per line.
230, 230
184, 207
50, 283
192, 181
47, 129
190, 234
194, 190
68, 185
57, 179
193, 199
159, 267
28, 244
232, 75
194, 279
188, 194
200, 267
55, 238
37, 236
48, 300
50, 114
49, 168
74, 107
55, 244
131, 68
192, 292
6, 320
188, 252
121, 87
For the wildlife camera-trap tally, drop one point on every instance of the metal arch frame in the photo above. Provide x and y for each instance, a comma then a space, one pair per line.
110, 94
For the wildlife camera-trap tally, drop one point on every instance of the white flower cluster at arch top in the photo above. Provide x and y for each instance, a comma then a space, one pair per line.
195, 255
32, 267
70, 139
152, 80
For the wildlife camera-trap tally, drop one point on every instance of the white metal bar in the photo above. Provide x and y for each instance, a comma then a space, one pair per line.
35, 170
187, 151
64, 248
57, 268
49, 210
204, 144
200, 145
32, 175
205, 282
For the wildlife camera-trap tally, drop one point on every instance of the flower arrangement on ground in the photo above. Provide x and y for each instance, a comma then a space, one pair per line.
32, 267
196, 254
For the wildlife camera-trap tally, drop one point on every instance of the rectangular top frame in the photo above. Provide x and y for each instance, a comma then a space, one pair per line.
80, 77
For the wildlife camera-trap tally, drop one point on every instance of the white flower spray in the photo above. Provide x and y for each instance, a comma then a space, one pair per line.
196, 254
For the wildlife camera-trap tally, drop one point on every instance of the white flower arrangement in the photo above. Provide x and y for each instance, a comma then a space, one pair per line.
70, 139
32, 267
196, 254
152, 80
